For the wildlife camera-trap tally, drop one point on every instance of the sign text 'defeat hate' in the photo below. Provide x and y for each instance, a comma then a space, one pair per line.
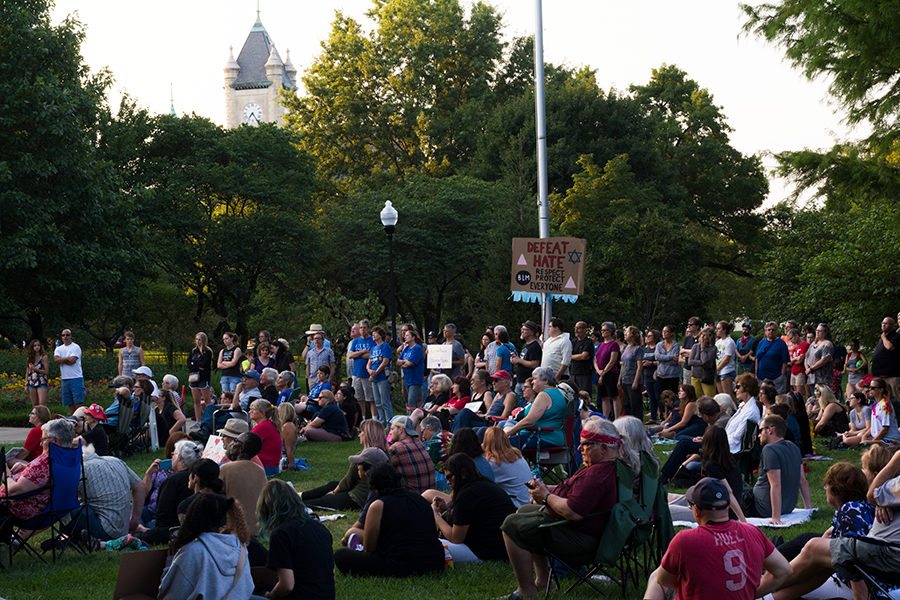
549, 265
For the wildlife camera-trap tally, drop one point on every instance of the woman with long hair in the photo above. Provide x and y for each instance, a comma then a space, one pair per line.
689, 424
203, 478
651, 339
299, 545
702, 361
856, 366
345, 397
200, 374
511, 471
210, 560
668, 372
36, 370
884, 421
630, 374
635, 444
860, 421
268, 427
290, 433
487, 339
169, 417
606, 363
832, 416
229, 362
726, 351
264, 358
478, 508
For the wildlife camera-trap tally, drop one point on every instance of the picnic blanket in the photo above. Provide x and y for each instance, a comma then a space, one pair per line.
799, 515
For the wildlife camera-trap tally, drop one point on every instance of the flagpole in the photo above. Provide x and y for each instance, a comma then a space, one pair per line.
540, 122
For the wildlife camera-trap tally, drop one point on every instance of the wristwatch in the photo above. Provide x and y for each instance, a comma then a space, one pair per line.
544, 501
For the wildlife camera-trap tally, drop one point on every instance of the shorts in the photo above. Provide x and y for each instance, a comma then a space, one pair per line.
729, 375
363, 389
522, 527
43, 386
199, 385
73, 391
847, 550
229, 383
798, 378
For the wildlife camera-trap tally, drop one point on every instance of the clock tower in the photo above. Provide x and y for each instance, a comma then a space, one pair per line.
252, 82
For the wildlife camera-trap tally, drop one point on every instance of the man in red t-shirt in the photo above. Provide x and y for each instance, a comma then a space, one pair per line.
719, 559
797, 348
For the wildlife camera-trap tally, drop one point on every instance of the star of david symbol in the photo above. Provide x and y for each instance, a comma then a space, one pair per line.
574, 257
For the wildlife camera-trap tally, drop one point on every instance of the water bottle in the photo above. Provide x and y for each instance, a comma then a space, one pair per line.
284, 463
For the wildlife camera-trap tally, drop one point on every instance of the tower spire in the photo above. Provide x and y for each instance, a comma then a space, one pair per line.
257, 11
172, 100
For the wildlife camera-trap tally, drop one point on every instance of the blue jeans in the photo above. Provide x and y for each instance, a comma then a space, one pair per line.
653, 390
206, 419
413, 397
382, 391
466, 418
229, 383
73, 391
96, 530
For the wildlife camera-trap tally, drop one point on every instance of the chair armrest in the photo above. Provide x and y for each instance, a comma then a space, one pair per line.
565, 522
540, 429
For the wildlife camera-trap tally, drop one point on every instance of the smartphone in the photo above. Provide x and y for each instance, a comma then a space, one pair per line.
165, 464
529, 485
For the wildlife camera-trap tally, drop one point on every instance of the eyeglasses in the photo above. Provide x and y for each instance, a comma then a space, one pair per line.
66, 335
45, 439
737, 387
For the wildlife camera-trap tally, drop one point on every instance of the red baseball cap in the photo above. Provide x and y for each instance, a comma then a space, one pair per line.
502, 374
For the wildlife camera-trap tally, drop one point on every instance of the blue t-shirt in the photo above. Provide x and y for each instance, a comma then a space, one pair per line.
283, 396
770, 356
317, 389
377, 355
414, 375
334, 420
359, 364
503, 353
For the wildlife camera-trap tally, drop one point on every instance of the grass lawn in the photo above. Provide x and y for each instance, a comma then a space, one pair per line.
94, 576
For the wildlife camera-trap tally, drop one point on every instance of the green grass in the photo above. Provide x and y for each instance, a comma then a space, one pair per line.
94, 576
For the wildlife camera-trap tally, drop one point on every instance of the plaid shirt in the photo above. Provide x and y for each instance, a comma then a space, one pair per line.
409, 457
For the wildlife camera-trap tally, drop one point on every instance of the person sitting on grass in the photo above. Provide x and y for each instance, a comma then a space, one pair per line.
268, 427
173, 490
398, 537
154, 477
211, 561
511, 471
329, 425
290, 433
244, 479
309, 405
470, 518
299, 545
436, 439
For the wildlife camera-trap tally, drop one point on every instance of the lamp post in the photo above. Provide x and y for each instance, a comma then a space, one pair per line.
389, 220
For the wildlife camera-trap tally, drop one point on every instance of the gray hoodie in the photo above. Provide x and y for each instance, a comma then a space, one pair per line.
205, 569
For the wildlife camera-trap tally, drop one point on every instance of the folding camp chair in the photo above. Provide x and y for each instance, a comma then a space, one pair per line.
66, 473
119, 434
879, 583
614, 555
547, 457
751, 450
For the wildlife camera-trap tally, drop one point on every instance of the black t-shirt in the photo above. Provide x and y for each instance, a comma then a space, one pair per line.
306, 549
350, 408
582, 367
97, 436
734, 477
530, 351
689, 341
407, 535
283, 361
165, 420
483, 505
886, 363
270, 393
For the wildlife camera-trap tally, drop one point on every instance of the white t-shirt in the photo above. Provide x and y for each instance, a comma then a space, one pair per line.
725, 347
69, 371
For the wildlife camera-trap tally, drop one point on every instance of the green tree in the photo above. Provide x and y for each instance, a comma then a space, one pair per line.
851, 43
227, 211
408, 97
67, 237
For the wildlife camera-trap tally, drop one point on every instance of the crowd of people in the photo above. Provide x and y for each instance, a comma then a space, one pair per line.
449, 479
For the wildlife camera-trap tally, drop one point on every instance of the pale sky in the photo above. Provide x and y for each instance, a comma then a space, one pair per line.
771, 106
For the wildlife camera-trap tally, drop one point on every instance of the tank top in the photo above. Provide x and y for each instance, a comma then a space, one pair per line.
227, 356
130, 361
36, 379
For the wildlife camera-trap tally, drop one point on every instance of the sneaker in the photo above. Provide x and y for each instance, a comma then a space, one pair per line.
354, 544
90, 542
195, 426
199, 435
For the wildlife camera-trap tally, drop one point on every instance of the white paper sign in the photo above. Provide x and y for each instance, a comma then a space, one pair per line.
215, 449
440, 357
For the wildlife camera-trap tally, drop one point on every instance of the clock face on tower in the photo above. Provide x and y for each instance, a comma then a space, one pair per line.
252, 113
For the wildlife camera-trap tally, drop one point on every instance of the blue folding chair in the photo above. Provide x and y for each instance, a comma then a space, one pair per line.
66, 473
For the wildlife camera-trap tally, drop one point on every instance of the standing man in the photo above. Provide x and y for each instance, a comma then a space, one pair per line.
68, 357
264, 337
582, 370
719, 559
773, 358
557, 350
744, 349
316, 357
886, 358
359, 352
354, 333
529, 357
781, 477
490, 352
690, 338
459, 353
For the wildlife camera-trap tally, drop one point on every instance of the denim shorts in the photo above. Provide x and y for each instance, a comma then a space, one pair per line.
43, 386
229, 383
73, 391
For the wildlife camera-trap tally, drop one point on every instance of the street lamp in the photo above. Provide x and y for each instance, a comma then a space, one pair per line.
389, 220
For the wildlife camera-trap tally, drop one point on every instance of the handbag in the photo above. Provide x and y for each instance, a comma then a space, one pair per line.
193, 377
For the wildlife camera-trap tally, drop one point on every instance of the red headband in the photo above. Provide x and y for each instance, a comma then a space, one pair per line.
603, 439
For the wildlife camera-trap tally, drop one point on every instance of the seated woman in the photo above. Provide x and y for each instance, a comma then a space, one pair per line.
465, 441
172, 491
668, 411
636, 442
860, 421
345, 398
503, 402
478, 507
353, 490
445, 409
547, 410
268, 427
329, 424
802, 418
154, 478
32, 447
203, 478
210, 561
439, 394
511, 471
689, 425
285, 386
884, 420
726, 403
846, 487
299, 545
591, 490
169, 417
290, 433
717, 462
310, 405
832, 419
398, 538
